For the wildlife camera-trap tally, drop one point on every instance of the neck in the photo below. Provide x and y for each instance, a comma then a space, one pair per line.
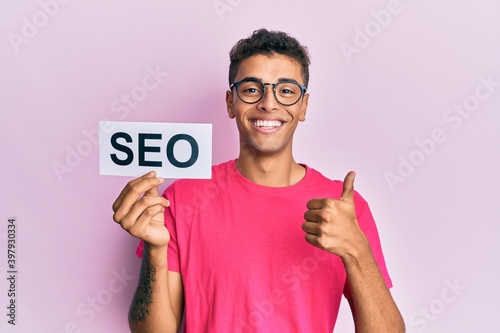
273, 171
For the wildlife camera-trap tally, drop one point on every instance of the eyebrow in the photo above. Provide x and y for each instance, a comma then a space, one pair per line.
281, 79
287, 79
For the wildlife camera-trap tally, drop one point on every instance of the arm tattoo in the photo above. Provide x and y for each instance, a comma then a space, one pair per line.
143, 295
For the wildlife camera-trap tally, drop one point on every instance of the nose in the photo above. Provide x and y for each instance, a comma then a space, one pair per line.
268, 102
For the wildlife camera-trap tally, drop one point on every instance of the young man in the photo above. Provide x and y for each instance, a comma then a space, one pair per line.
267, 244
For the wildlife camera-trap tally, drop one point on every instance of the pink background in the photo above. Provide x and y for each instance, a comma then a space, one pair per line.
437, 222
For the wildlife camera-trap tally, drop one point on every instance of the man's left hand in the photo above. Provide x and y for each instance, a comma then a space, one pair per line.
332, 225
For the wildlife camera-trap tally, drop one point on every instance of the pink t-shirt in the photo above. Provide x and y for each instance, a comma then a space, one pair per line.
245, 264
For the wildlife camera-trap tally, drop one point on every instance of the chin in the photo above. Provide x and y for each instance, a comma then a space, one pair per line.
267, 148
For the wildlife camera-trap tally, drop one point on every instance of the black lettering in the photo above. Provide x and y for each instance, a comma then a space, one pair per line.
143, 149
194, 151
122, 148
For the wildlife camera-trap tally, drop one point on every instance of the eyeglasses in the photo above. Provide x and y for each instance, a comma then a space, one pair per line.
251, 90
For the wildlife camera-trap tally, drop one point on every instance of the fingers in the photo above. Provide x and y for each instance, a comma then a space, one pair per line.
144, 185
141, 228
318, 203
311, 228
142, 207
313, 240
348, 188
154, 189
135, 185
314, 235
329, 223
312, 232
312, 215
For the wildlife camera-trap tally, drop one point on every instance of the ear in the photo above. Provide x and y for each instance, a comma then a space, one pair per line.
303, 107
229, 104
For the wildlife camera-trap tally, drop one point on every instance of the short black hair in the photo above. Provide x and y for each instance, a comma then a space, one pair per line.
267, 42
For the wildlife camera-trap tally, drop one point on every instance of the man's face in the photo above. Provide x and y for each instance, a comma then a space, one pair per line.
267, 127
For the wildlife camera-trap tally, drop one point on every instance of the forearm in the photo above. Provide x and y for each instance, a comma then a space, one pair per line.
374, 308
151, 309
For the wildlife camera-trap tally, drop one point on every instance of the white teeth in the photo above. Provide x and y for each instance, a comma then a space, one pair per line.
267, 123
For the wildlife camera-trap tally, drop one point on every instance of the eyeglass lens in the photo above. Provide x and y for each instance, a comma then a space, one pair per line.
286, 93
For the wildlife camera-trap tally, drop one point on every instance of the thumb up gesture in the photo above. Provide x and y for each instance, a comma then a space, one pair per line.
331, 224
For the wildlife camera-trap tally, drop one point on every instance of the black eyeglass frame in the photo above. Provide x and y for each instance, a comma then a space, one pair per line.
303, 89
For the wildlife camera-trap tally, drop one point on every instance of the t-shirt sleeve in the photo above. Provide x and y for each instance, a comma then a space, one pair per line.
368, 226
173, 250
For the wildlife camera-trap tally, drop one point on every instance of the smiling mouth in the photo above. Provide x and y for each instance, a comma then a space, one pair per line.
267, 123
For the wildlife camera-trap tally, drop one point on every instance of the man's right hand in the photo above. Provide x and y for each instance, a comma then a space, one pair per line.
139, 210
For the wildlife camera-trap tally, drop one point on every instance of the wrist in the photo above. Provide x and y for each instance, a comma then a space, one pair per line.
358, 253
155, 254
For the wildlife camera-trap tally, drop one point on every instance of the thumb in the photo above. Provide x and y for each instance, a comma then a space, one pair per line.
348, 188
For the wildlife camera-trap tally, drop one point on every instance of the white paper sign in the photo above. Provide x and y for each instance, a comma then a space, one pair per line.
174, 150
